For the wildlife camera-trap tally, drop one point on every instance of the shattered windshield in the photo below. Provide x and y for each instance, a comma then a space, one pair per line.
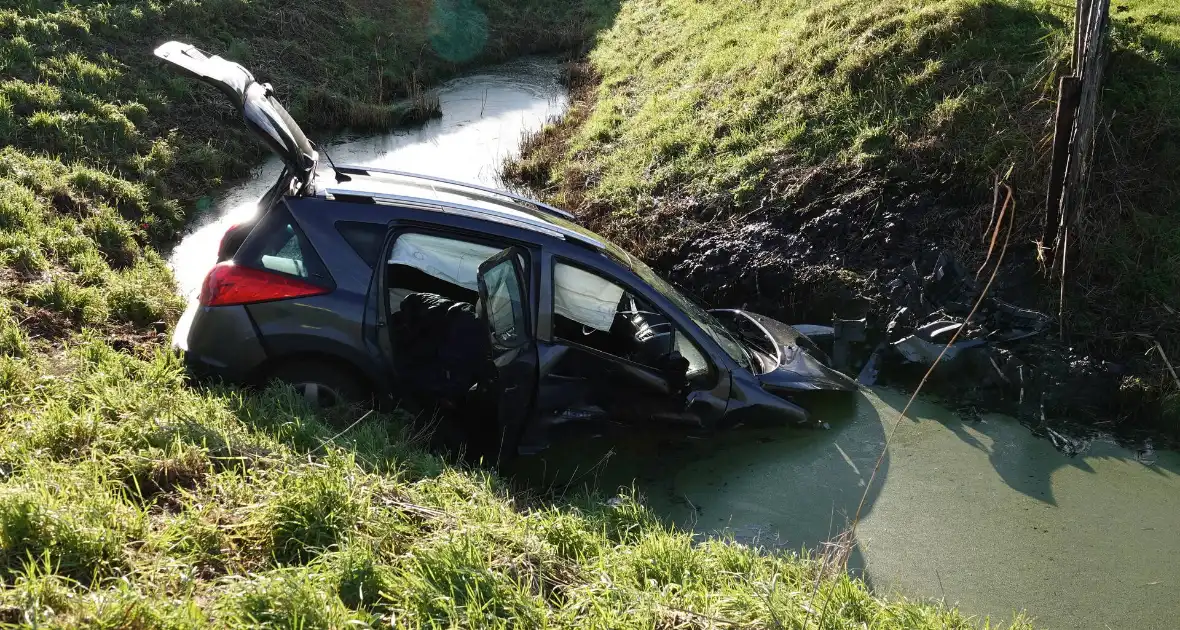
700, 316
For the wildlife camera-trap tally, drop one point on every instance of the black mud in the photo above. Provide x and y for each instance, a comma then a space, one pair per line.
891, 254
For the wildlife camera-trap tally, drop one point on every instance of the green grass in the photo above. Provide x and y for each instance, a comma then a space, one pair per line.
705, 100
716, 108
107, 151
130, 499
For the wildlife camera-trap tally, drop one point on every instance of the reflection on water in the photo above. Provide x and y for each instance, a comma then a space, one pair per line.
982, 514
483, 119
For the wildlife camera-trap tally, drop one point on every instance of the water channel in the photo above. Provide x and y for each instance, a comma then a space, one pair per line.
978, 513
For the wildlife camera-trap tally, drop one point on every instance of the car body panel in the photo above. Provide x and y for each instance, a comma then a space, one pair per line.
750, 402
220, 341
799, 365
327, 325
262, 113
317, 219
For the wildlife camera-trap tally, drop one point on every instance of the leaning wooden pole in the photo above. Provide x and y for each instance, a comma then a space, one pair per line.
1068, 90
1075, 123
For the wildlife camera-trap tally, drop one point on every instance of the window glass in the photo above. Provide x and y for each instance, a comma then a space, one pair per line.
505, 308
287, 257
278, 245
592, 311
697, 364
700, 316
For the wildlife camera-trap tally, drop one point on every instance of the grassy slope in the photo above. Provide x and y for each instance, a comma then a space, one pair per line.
128, 499
108, 151
707, 105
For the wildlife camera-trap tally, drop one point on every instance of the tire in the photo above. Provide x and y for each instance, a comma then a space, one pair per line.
323, 383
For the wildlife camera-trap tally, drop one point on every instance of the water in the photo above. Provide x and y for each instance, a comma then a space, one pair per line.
484, 116
982, 514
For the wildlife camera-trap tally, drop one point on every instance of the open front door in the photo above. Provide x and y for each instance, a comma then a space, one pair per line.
504, 306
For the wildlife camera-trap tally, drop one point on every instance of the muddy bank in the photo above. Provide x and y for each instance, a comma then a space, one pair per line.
891, 252
900, 251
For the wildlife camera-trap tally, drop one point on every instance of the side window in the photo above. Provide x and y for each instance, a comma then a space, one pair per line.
364, 238
278, 244
592, 311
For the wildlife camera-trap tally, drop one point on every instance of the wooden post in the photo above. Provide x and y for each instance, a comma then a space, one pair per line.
1090, 66
1075, 125
1068, 90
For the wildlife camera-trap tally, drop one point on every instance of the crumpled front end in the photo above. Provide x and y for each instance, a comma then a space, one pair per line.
789, 360
789, 372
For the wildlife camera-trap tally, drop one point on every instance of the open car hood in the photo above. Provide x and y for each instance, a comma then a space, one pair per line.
262, 112
797, 363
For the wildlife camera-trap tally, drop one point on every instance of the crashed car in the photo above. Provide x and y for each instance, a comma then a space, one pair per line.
317, 291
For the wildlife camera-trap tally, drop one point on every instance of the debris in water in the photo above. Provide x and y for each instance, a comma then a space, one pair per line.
868, 374
845, 332
916, 350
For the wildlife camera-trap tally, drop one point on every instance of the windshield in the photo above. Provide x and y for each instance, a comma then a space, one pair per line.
700, 316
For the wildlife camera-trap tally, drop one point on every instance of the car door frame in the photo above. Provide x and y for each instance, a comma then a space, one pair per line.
711, 401
516, 366
494, 235
490, 237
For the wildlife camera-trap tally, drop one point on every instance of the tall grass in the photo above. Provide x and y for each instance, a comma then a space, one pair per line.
130, 499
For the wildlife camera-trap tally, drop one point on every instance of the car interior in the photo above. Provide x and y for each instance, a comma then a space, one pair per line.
603, 321
594, 312
425, 263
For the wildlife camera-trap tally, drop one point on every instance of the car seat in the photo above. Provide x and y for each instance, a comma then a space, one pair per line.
653, 337
441, 347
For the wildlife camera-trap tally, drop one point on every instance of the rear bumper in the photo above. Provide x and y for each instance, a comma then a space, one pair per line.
200, 368
219, 343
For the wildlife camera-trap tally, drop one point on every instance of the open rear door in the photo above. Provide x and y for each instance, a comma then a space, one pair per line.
263, 114
504, 306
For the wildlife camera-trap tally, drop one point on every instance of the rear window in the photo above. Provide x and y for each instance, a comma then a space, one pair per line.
365, 239
278, 245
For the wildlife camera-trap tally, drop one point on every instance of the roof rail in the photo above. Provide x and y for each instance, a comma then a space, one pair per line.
523, 220
544, 207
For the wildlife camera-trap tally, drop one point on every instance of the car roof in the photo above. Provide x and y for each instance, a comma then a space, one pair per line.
454, 197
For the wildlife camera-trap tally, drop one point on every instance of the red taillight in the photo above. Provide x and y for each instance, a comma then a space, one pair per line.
228, 284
